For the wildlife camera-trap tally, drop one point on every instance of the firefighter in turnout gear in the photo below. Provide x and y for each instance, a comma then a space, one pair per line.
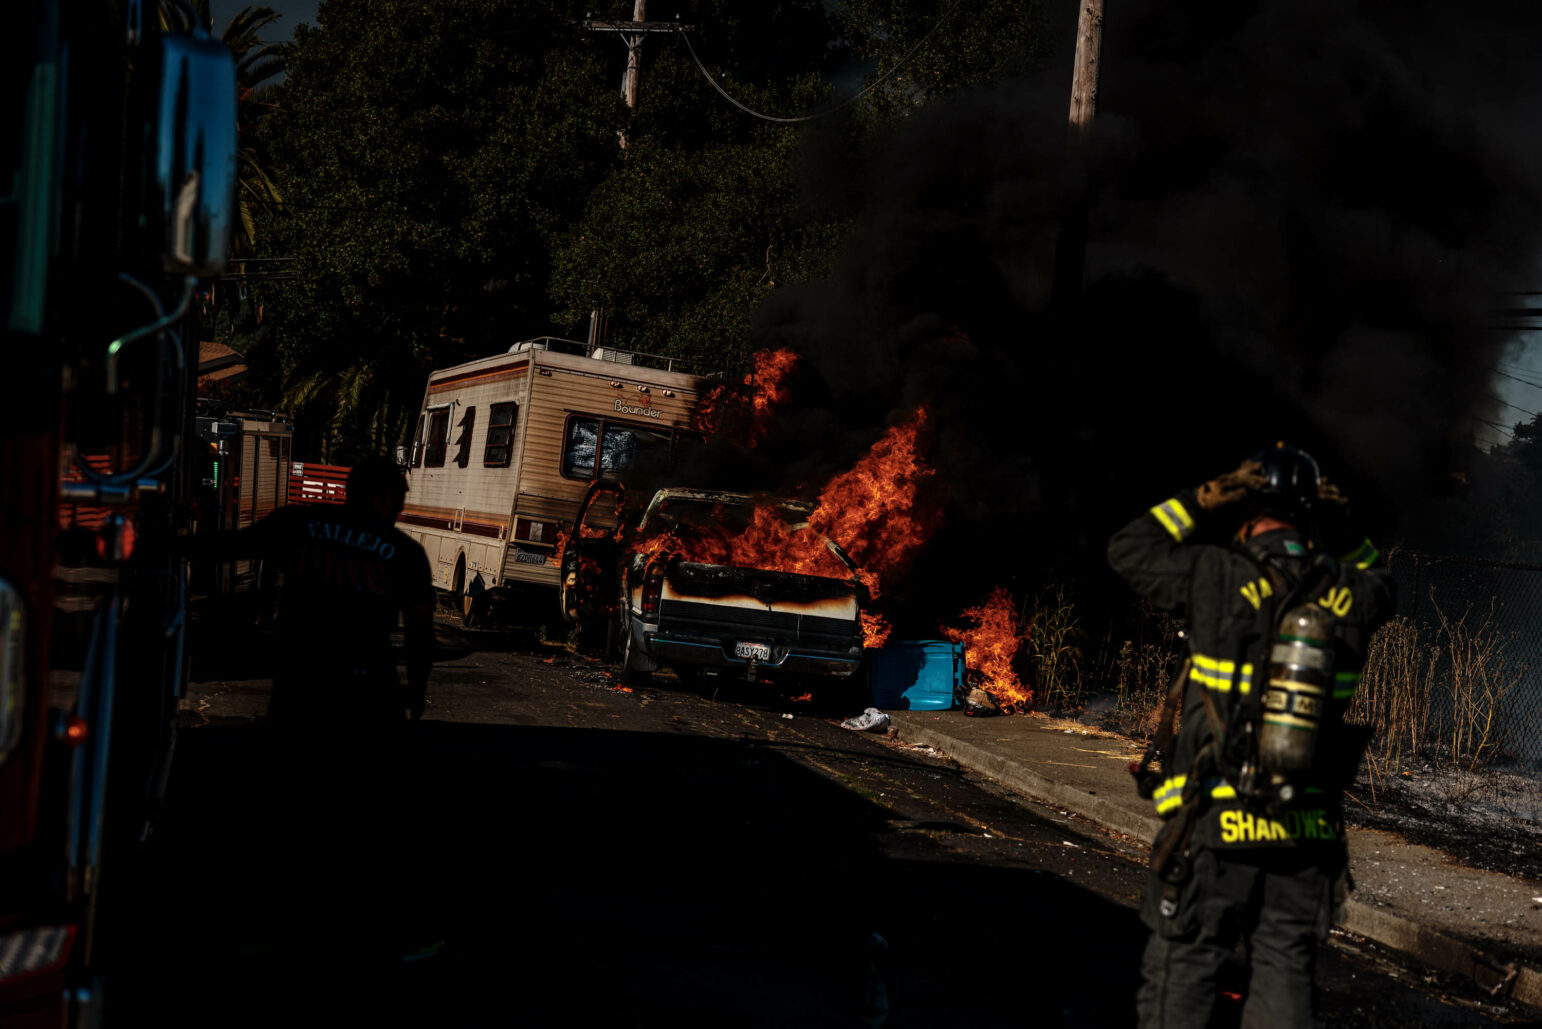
1278, 596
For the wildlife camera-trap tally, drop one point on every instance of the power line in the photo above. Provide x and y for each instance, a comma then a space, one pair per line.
1501, 400
1517, 378
844, 103
1492, 425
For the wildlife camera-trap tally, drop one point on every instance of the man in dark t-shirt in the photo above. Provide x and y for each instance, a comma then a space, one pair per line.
345, 782
348, 573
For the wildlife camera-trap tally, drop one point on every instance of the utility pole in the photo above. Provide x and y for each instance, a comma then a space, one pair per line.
632, 33
1071, 247
1084, 79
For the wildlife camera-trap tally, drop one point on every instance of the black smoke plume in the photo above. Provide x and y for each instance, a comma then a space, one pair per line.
1304, 216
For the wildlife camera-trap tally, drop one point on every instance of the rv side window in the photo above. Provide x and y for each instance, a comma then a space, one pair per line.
438, 435
417, 442
468, 422
499, 451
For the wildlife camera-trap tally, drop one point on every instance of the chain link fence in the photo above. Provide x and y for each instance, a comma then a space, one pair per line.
1456, 677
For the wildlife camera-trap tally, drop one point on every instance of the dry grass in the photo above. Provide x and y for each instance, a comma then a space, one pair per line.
1436, 693
1052, 645
1480, 679
1394, 694
1141, 668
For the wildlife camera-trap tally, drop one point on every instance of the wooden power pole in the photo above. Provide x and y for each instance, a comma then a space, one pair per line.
1071, 248
632, 33
1084, 79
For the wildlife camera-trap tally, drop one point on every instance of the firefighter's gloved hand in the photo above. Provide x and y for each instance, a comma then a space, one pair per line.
1331, 499
1235, 485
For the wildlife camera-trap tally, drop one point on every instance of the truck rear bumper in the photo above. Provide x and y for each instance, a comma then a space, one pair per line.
786, 659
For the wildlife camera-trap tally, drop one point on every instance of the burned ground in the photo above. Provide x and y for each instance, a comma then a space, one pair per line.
1482, 819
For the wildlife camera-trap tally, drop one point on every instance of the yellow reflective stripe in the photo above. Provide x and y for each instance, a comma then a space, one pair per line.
1363, 556
1169, 796
1223, 791
1221, 675
1175, 519
1344, 684
1182, 514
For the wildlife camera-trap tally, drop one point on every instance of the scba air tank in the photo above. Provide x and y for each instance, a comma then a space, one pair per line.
1300, 682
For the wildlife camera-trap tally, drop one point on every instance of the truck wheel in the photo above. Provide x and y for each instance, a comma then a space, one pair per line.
631, 675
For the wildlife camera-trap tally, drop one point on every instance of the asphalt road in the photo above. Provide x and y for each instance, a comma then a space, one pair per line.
552, 850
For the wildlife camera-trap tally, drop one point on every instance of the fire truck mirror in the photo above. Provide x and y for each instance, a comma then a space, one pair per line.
195, 153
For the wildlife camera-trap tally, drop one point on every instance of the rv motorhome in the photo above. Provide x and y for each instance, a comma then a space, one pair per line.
506, 447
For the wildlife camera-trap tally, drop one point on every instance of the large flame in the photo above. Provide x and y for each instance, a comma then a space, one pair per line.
991, 644
767, 542
871, 510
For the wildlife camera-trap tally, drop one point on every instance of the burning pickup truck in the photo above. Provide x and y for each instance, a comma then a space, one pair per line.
711, 579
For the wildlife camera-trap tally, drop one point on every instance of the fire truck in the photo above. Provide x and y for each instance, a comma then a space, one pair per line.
119, 164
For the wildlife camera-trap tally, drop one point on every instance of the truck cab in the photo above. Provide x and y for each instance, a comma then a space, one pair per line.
715, 580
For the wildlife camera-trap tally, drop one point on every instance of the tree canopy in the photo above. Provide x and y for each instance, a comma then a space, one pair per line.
451, 177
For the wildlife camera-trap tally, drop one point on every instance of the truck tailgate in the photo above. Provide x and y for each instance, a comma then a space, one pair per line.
747, 603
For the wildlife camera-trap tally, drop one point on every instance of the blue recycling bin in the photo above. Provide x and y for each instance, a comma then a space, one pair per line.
917, 675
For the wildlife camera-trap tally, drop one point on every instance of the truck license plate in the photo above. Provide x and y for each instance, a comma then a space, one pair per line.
758, 651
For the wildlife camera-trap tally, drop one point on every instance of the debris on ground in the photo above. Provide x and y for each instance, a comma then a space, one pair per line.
924, 749
979, 703
595, 680
870, 720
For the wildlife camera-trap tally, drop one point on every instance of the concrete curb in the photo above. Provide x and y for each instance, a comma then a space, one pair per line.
1013, 775
1501, 978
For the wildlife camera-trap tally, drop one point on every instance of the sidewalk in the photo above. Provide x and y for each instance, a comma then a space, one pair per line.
1413, 899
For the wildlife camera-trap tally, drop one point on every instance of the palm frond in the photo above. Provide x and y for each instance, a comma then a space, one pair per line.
175, 16
248, 21
258, 68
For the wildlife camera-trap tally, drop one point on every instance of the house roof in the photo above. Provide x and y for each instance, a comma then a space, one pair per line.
219, 363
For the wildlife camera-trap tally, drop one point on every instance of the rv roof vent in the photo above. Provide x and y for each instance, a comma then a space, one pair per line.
552, 343
618, 356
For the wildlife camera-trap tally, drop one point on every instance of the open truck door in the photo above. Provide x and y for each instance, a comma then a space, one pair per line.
591, 556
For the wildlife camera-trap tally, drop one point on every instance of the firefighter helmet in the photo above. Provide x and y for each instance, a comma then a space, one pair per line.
1290, 480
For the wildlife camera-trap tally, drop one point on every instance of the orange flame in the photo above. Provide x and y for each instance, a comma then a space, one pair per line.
768, 542
768, 380
990, 649
749, 405
871, 509
875, 630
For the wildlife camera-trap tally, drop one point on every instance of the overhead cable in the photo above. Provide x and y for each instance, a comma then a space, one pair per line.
1506, 403
1517, 378
849, 100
